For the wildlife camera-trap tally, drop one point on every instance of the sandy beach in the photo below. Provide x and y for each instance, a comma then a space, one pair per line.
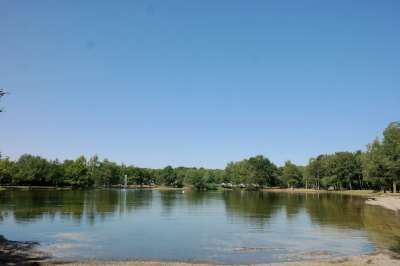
388, 202
381, 259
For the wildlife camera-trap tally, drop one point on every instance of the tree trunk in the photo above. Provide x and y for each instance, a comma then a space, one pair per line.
350, 186
394, 187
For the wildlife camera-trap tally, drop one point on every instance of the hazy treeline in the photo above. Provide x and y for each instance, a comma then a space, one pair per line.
376, 168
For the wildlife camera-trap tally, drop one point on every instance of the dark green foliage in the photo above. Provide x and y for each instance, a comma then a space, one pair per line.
377, 168
291, 175
170, 178
31, 170
202, 179
6, 171
381, 162
339, 170
253, 172
139, 176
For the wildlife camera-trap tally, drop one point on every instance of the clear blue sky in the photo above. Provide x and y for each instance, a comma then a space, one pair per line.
197, 83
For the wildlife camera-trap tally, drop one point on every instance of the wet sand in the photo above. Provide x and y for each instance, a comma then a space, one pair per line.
20, 253
387, 201
381, 259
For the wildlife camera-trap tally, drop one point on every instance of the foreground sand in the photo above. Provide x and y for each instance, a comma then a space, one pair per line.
381, 259
388, 202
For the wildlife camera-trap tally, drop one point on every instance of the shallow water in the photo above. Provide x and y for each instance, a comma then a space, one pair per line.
222, 227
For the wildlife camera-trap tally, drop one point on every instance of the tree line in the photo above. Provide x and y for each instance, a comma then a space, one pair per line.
376, 168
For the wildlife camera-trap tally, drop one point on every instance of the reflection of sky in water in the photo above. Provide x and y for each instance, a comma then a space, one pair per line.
177, 226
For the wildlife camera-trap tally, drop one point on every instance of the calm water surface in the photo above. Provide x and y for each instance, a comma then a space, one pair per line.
222, 227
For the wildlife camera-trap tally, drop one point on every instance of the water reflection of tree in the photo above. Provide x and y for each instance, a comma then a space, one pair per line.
257, 208
325, 209
74, 205
382, 226
333, 209
168, 200
30, 205
138, 199
201, 198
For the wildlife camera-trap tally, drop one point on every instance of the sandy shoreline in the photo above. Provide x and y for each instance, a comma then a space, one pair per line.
388, 202
25, 253
382, 258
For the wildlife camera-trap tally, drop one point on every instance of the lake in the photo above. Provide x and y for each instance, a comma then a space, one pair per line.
216, 227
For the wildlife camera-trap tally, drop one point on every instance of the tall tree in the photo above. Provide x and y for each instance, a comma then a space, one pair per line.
261, 171
169, 177
345, 168
256, 170
291, 174
391, 150
76, 173
6, 171
315, 170
31, 170
374, 165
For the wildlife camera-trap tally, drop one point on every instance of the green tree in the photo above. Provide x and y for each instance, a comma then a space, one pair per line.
236, 172
31, 170
391, 151
76, 173
169, 177
261, 171
196, 178
291, 174
201, 179
315, 171
381, 162
346, 168
375, 165
55, 174
109, 173
7, 170
93, 170
255, 171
